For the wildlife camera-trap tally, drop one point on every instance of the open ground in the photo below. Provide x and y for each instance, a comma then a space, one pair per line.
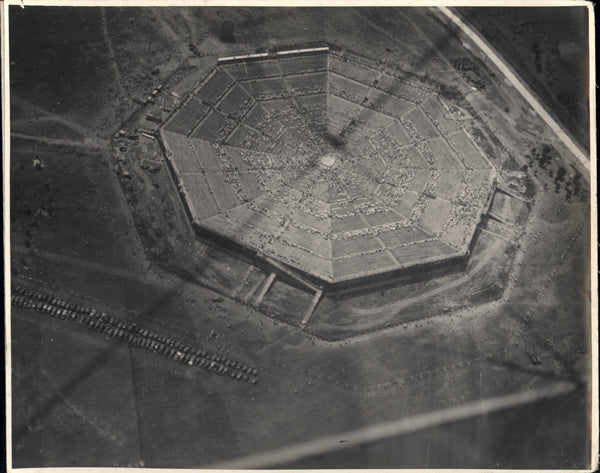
96, 219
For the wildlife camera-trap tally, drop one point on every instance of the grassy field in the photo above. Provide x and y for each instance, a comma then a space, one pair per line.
555, 67
45, 126
464, 443
66, 403
69, 207
43, 38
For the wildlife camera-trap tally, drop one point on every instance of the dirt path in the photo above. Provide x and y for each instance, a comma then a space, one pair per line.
166, 28
403, 303
94, 143
111, 53
187, 16
31, 107
50, 116
85, 264
31, 121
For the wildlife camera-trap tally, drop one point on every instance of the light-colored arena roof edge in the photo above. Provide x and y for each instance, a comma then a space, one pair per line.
290, 52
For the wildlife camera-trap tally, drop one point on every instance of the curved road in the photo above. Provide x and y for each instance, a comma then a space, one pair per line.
425, 295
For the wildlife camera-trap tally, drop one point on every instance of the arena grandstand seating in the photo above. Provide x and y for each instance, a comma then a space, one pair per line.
327, 163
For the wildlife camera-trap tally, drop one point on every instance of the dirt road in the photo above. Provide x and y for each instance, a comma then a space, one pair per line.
404, 302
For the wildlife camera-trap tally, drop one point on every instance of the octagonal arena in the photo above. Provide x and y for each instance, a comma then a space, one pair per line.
331, 164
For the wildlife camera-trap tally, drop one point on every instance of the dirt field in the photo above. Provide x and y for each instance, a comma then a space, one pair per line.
89, 224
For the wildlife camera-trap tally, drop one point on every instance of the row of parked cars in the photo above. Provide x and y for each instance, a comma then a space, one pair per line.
131, 333
25, 298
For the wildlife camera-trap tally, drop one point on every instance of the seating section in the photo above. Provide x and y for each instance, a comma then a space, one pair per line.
328, 163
